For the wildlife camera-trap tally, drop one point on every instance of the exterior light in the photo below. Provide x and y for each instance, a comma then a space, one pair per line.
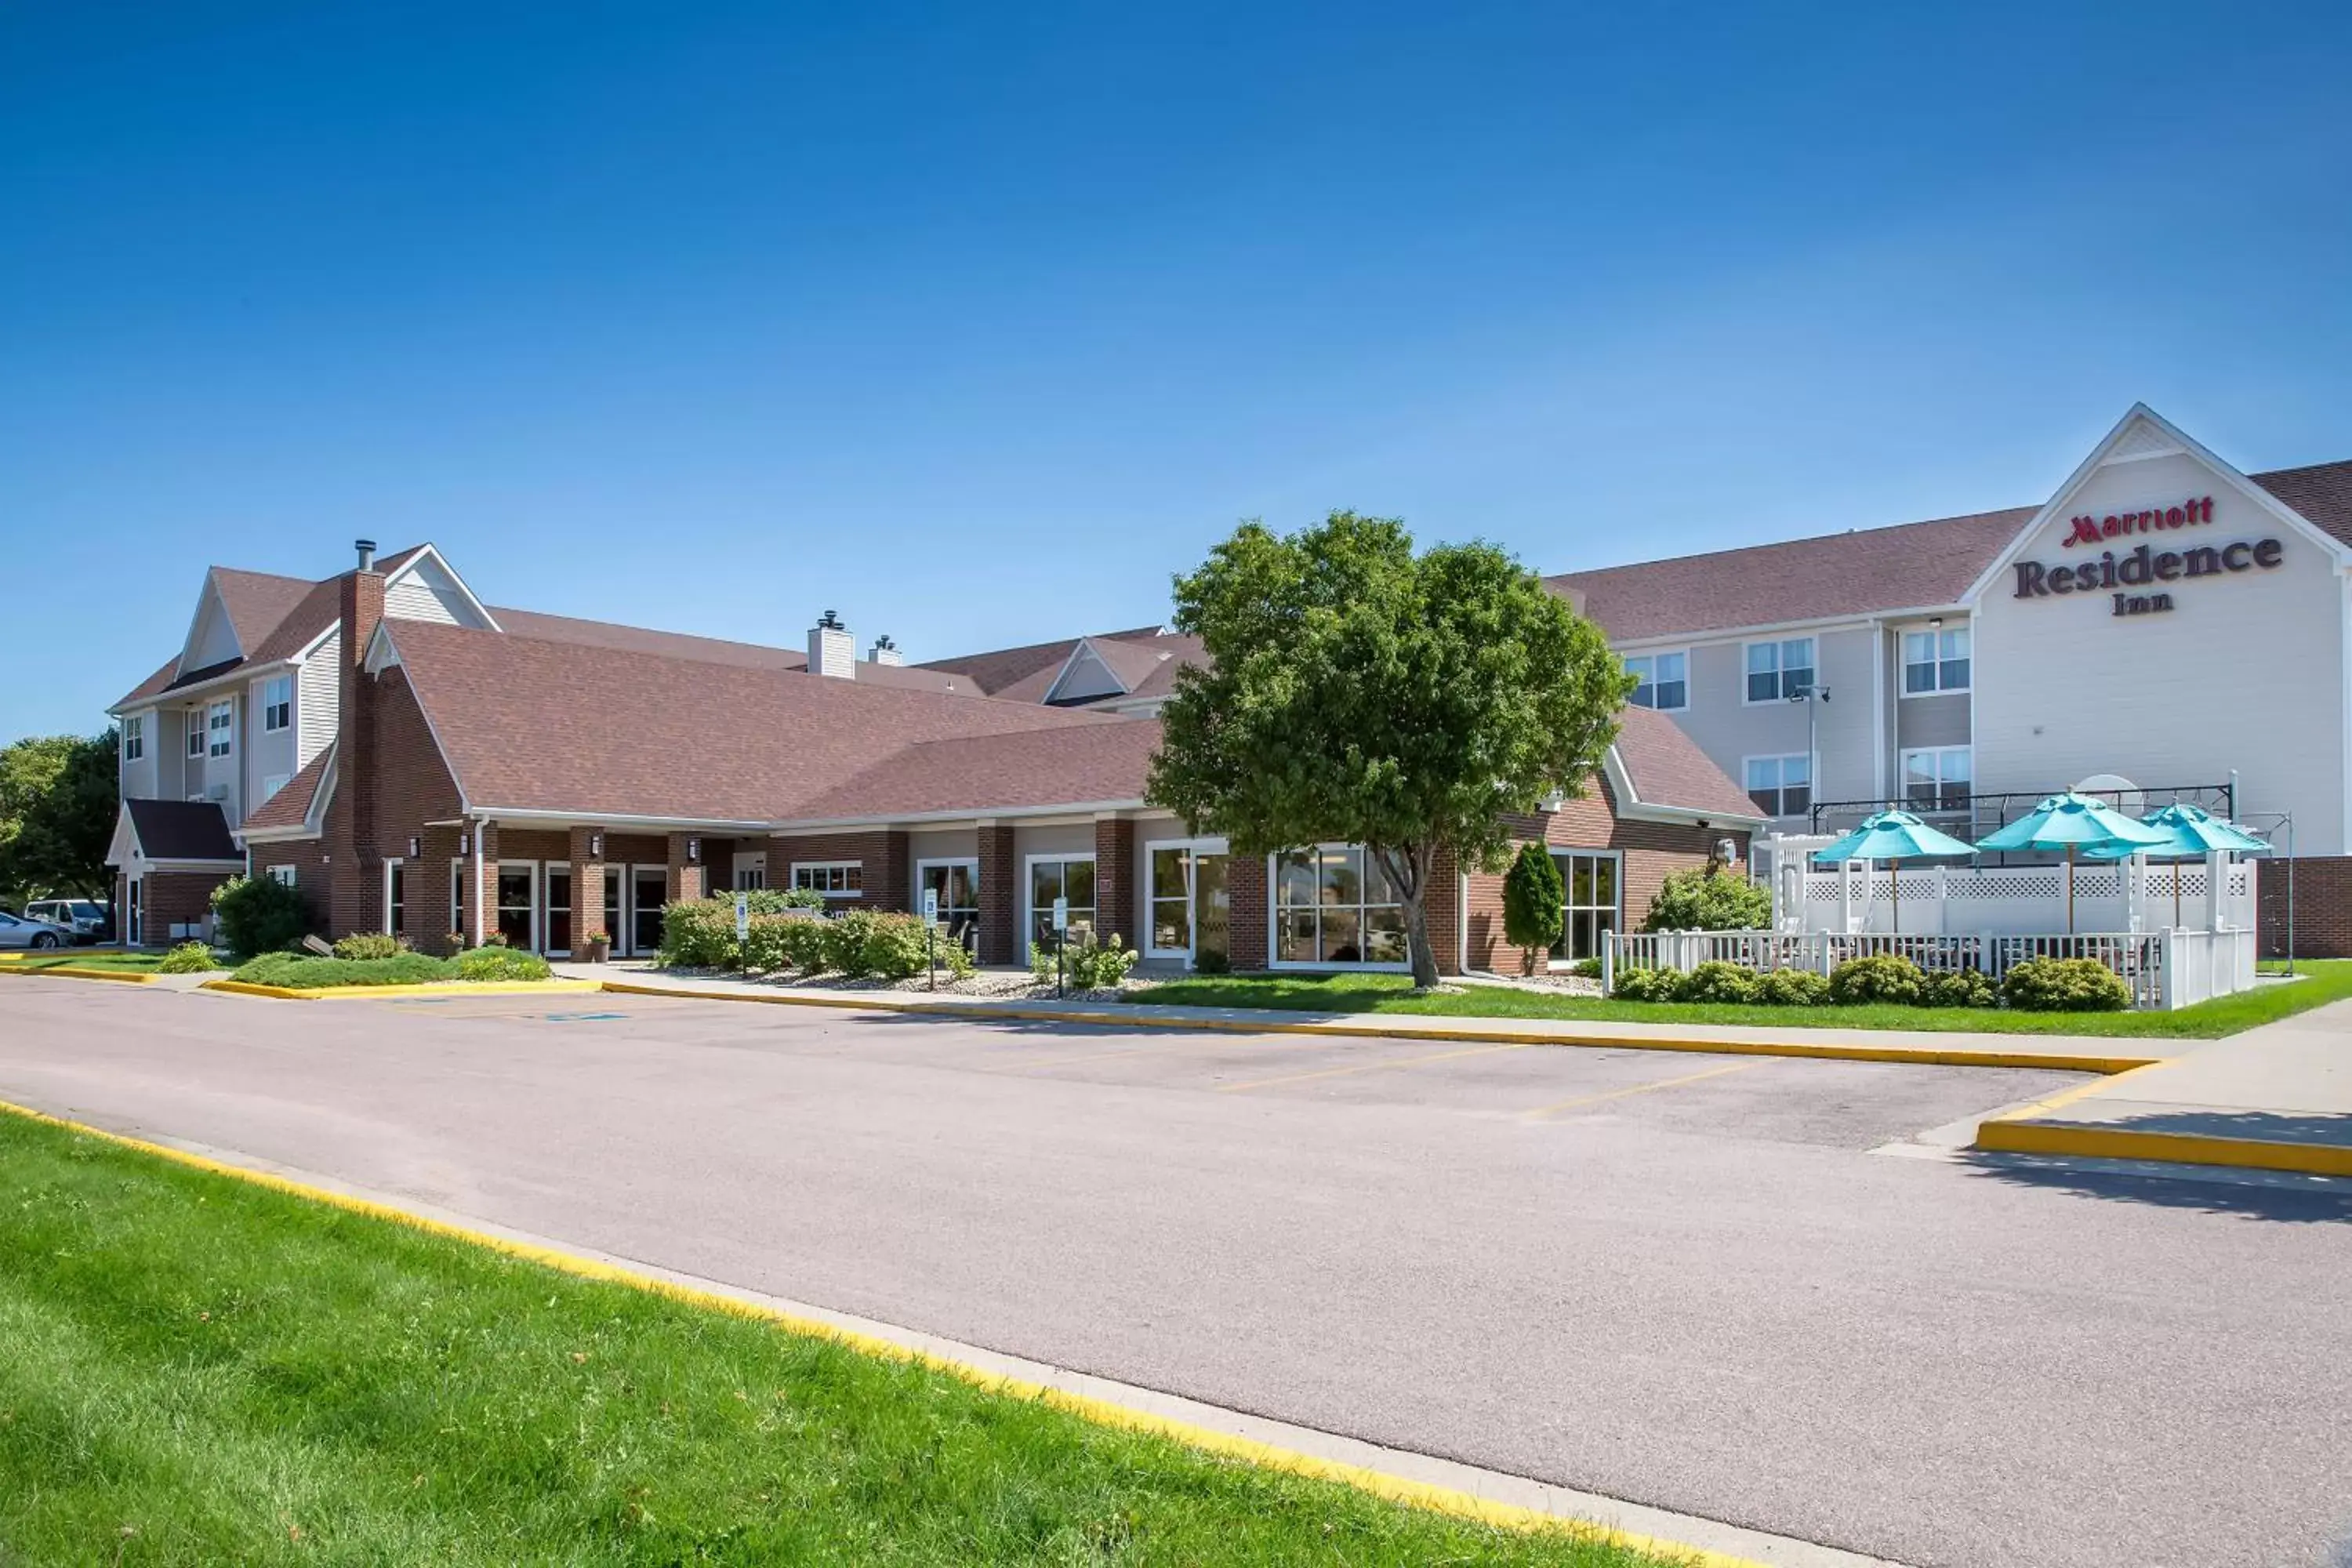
596, 847
465, 844
693, 850
1936, 621
415, 846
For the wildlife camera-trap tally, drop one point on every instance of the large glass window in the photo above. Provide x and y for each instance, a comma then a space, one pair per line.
1778, 670
1782, 786
648, 892
1071, 877
1172, 899
1934, 661
1666, 680
515, 890
220, 730
556, 936
833, 878
1589, 896
458, 880
614, 930
957, 882
277, 703
1937, 779
1334, 905
396, 897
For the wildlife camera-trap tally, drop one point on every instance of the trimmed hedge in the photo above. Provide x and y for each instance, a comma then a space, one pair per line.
498, 964
304, 972
1883, 977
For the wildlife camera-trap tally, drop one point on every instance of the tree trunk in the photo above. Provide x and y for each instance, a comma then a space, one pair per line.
1408, 869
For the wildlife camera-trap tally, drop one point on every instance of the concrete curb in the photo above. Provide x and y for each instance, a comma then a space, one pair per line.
422, 988
76, 972
1393, 1487
2005, 1136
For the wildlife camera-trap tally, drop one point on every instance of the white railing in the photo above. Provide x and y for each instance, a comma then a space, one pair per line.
2020, 899
2163, 969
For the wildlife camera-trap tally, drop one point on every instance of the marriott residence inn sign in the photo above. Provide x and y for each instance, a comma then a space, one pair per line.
2122, 575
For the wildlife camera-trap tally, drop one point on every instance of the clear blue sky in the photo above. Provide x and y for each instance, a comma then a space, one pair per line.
977, 323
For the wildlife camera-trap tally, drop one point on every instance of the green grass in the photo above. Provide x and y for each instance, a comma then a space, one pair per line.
199, 1370
2322, 981
85, 958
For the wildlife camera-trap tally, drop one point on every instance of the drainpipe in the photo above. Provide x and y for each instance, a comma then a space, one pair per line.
480, 894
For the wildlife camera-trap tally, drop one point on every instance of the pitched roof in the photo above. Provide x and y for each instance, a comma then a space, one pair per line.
1666, 767
290, 807
1091, 766
303, 625
256, 603
1863, 572
690, 740
182, 830
997, 669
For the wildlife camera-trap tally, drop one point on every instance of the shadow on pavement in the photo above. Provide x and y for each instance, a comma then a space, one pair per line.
2281, 1199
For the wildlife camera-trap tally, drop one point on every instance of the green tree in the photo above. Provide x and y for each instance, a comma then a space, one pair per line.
1534, 903
1358, 693
57, 804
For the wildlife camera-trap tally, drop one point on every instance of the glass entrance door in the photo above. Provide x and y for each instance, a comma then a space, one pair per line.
1191, 907
1212, 908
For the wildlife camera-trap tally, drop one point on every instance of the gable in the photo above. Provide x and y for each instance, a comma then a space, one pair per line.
212, 636
1083, 677
424, 588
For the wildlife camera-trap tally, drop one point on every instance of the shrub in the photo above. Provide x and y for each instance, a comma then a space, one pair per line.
1883, 977
370, 944
255, 915
1717, 980
892, 946
495, 963
1532, 903
188, 958
2066, 985
302, 971
699, 933
1086, 965
1646, 985
1211, 961
1793, 988
1590, 968
1959, 988
780, 941
1709, 898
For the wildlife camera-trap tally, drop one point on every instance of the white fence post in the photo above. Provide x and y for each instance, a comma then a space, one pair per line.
1608, 962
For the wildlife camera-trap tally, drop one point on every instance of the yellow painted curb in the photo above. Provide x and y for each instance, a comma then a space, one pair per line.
1395, 1488
2182, 1148
76, 972
1925, 1056
422, 988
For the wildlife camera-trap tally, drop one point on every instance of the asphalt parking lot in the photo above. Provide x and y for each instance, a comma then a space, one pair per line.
1759, 1290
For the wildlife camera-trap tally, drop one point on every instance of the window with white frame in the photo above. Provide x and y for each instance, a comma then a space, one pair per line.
1937, 778
396, 897
957, 883
196, 732
135, 737
1590, 889
1052, 877
1779, 670
281, 875
1664, 680
278, 704
1782, 786
1333, 904
272, 783
833, 878
1934, 661
220, 730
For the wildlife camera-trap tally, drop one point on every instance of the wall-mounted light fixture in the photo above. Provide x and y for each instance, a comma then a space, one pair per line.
1936, 622
465, 844
415, 846
693, 850
595, 847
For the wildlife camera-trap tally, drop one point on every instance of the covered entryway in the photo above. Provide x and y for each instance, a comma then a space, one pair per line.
1187, 890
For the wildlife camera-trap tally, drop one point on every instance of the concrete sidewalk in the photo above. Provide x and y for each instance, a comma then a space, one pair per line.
2058, 1052
2277, 1098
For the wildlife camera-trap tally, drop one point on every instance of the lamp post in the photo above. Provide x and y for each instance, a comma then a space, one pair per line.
1811, 697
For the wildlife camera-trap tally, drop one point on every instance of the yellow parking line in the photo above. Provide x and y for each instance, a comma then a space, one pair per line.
1371, 1066
1541, 1111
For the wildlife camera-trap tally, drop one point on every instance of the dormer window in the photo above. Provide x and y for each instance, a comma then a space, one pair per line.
220, 730
278, 704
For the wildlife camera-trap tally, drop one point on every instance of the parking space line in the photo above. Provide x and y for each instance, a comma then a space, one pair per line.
1371, 1066
1583, 1100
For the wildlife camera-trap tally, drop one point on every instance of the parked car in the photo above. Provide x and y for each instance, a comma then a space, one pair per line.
15, 931
89, 918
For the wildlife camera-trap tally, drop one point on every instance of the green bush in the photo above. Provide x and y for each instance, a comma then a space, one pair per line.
2064, 985
1884, 977
1590, 968
1532, 904
699, 933
1646, 986
1718, 980
1211, 961
370, 944
188, 958
1709, 898
1959, 988
1793, 988
255, 915
1084, 966
500, 963
302, 972
890, 946
781, 942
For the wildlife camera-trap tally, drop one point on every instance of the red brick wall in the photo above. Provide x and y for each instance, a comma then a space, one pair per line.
173, 898
881, 855
2322, 907
999, 874
350, 896
587, 889
314, 879
1246, 886
1114, 873
412, 788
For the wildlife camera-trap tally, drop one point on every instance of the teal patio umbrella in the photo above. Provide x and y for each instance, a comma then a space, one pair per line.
1892, 836
2074, 824
2195, 832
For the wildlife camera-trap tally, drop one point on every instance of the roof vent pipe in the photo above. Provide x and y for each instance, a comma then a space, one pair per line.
366, 547
884, 651
831, 650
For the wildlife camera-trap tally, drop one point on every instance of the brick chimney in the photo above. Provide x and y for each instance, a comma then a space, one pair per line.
831, 650
353, 862
884, 651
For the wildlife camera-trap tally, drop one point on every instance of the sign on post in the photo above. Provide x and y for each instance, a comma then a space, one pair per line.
1061, 914
930, 906
742, 917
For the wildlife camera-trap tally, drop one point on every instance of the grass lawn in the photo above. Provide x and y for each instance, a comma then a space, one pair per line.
2322, 981
82, 958
202, 1371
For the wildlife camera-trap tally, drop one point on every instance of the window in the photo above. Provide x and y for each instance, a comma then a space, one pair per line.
220, 729
281, 875
1779, 670
195, 735
1666, 680
648, 892
957, 882
833, 878
1334, 905
272, 783
458, 900
278, 704
1782, 786
515, 886
396, 897
1934, 661
1589, 882
1937, 779
1052, 877
557, 935
135, 737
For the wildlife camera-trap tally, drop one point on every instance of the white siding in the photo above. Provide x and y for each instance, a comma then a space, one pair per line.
317, 695
213, 637
268, 757
1728, 728
426, 592
138, 777
2245, 672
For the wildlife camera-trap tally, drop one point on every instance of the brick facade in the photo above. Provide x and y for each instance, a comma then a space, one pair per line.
167, 899
1115, 887
587, 886
353, 889
2322, 907
999, 883
313, 880
886, 870
1249, 910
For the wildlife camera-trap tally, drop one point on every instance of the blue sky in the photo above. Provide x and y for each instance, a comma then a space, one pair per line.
977, 323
